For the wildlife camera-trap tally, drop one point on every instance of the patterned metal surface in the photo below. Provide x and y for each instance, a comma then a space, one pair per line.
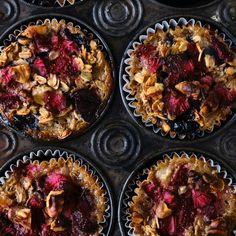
117, 143
117, 18
8, 11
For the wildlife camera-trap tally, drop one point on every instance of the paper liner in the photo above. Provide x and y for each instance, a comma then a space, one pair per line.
137, 177
40, 155
7, 39
128, 98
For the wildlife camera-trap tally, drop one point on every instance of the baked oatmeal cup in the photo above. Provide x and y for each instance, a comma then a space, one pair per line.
56, 197
55, 80
181, 78
183, 196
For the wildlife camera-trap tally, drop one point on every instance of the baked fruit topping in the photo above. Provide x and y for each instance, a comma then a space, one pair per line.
183, 80
183, 196
59, 197
58, 76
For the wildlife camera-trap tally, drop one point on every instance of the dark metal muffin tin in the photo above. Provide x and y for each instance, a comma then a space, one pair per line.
117, 143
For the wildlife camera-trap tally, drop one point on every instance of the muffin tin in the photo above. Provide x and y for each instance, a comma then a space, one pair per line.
116, 144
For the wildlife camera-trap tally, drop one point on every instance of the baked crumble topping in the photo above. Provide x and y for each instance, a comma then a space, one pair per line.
183, 79
183, 197
54, 81
59, 197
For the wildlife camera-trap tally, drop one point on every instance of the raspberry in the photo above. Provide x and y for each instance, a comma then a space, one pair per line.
55, 101
40, 67
207, 79
36, 202
176, 104
148, 57
221, 49
201, 199
168, 197
6, 76
225, 95
8, 101
32, 169
179, 68
69, 47
54, 181
82, 223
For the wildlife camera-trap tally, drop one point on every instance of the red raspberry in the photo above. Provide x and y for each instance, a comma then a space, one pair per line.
55, 101
148, 57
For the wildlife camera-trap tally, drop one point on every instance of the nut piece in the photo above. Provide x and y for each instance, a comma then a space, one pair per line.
25, 54
210, 61
40, 79
31, 30
23, 213
162, 210
53, 81
137, 218
230, 70
217, 227
23, 41
182, 190
190, 89
157, 88
22, 73
56, 227
53, 55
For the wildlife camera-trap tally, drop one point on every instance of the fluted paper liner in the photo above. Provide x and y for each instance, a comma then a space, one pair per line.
91, 35
141, 175
129, 98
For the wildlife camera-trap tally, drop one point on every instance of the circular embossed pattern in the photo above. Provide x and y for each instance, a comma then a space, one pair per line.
8, 11
117, 17
227, 11
7, 143
228, 144
116, 143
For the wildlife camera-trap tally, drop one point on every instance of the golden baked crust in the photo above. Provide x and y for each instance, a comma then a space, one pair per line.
183, 79
183, 196
56, 197
54, 81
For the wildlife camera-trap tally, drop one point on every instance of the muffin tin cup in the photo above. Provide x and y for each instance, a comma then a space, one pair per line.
45, 155
141, 172
11, 35
125, 67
